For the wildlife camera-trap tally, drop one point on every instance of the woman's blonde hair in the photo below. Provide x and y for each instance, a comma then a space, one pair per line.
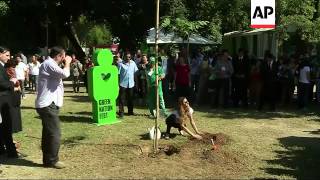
182, 110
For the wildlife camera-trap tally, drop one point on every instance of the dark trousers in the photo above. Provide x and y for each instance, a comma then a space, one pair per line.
126, 94
85, 80
268, 94
172, 121
183, 91
51, 133
240, 91
76, 83
16, 112
222, 87
6, 141
303, 94
34, 82
22, 87
142, 85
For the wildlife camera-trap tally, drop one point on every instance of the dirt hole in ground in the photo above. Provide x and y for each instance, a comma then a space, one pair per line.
209, 148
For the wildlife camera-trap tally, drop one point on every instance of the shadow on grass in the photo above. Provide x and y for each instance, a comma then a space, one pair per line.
79, 98
313, 132
19, 162
28, 107
87, 113
146, 136
233, 113
73, 141
300, 160
315, 119
72, 119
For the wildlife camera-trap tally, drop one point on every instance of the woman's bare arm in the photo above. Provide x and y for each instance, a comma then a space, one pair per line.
189, 132
193, 124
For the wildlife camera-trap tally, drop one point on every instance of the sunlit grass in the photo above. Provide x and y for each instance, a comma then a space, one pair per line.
256, 140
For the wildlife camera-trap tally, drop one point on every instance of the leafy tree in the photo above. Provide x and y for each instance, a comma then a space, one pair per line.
3, 8
98, 35
91, 33
183, 28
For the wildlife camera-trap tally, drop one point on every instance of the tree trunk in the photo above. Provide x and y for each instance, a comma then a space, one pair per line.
71, 34
316, 12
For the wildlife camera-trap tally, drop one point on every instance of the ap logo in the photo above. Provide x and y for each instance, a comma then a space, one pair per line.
262, 14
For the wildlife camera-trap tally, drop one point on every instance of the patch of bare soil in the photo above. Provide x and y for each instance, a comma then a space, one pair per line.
194, 159
209, 143
209, 151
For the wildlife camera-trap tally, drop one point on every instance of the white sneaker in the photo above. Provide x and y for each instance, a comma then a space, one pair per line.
181, 133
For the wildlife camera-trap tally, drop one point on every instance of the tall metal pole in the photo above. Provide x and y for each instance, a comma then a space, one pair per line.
47, 28
47, 35
155, 142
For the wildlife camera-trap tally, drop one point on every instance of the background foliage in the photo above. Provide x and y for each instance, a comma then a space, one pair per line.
94, 22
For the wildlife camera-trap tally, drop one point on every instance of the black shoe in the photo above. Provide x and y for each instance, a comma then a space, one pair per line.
167, 136
130, 114
2, 152
120, 115
57, 165
15, 155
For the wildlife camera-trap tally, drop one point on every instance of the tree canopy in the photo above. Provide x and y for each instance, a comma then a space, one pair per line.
25, 22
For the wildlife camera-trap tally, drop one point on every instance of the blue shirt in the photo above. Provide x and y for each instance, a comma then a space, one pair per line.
126, 72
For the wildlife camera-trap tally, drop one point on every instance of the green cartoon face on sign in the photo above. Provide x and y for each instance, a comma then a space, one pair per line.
103, 87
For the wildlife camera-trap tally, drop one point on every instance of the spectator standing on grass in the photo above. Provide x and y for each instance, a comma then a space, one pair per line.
304, 84
204, 71
240, 78
87, 65
223, 70
255, 85
34, 66
195, 63
16, 97
127, 70
6, 89
22, 72
48, 102
77, 72
182, 80
269, 73
142, 79
151, 77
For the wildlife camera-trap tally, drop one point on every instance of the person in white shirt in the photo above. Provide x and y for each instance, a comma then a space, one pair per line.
22, 74
304, 84
48, 102
34, 66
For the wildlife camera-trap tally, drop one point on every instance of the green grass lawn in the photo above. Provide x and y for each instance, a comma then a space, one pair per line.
283, 144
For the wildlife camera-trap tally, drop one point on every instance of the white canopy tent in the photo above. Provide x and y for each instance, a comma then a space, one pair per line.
170, 38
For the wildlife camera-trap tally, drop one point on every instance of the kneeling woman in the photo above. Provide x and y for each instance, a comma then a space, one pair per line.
179, 117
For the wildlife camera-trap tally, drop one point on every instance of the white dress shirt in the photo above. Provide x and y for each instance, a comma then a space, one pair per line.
50, 86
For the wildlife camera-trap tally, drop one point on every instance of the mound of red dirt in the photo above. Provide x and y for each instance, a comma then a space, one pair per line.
218, 139
208, 148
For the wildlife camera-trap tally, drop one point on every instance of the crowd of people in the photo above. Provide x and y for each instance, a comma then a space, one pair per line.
219, 80
213, 78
